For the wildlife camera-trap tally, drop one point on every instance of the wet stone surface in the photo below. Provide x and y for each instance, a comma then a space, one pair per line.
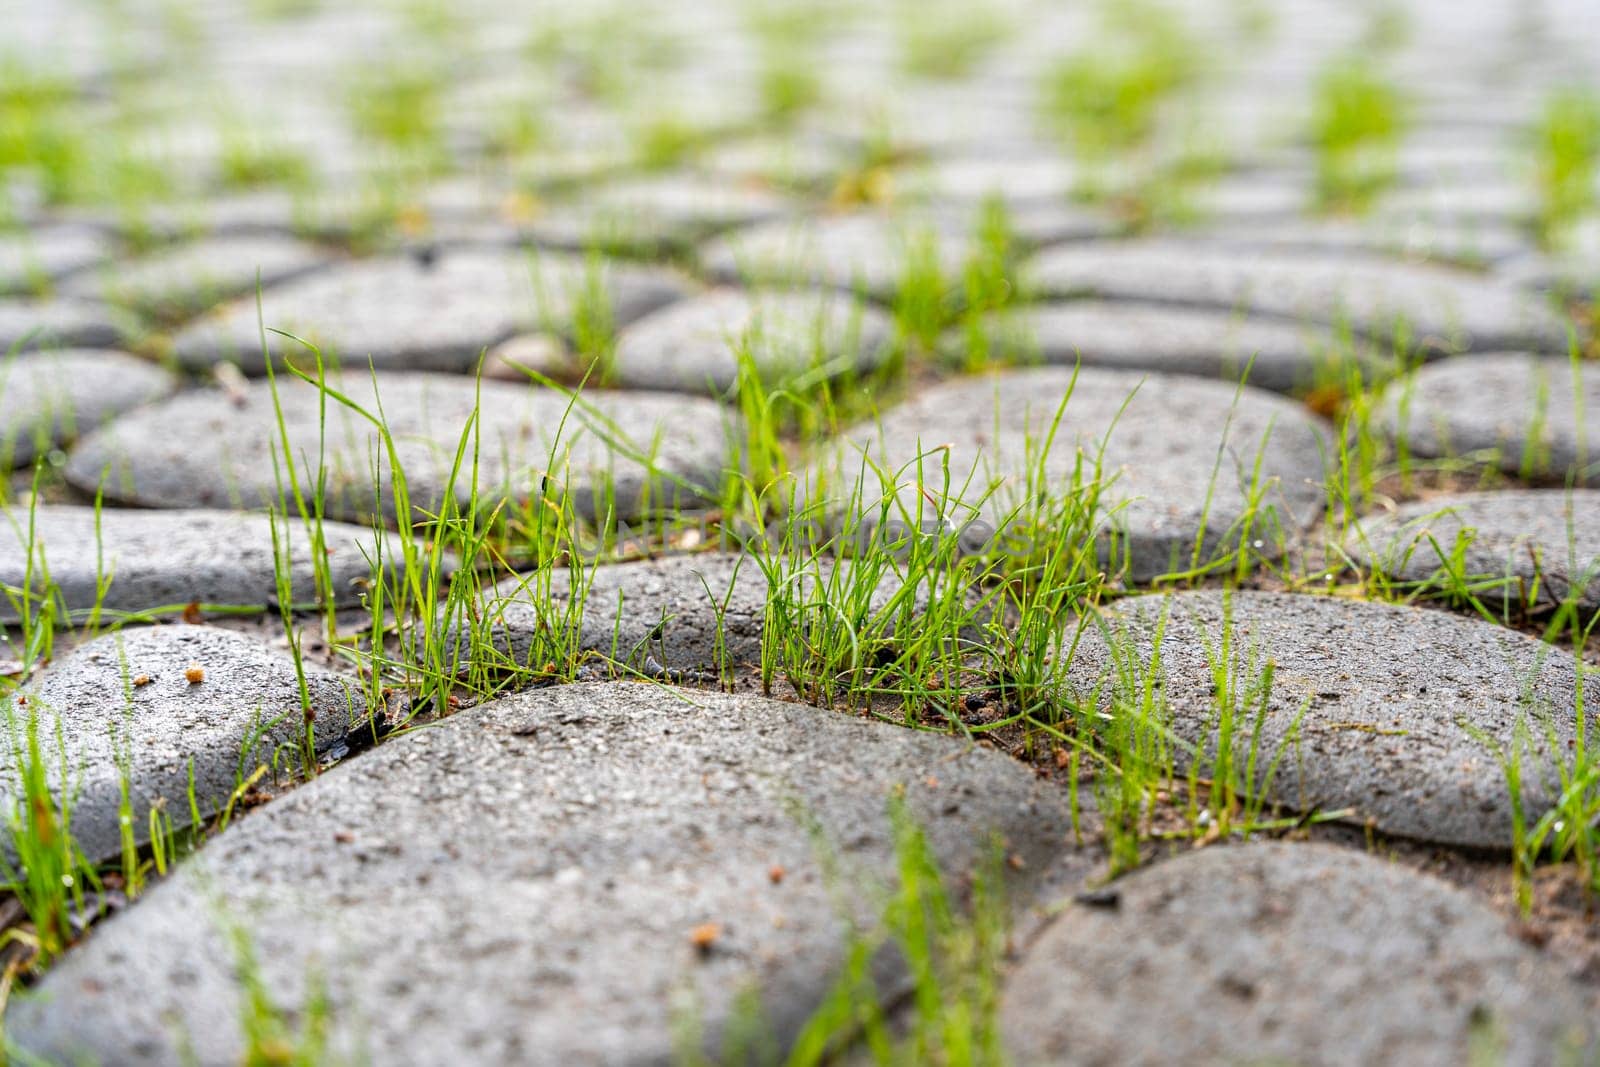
1304, 953
577, 835
157, 701
214, 448
1389, 713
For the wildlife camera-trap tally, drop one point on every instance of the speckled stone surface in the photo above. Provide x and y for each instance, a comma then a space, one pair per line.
1162, 489
1527, 415
547, 857
128, 697
158, 559
212, 448
1292, 953
1374, 706
1517, 548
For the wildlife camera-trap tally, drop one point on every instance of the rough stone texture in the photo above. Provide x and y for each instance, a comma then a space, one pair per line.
862, 252
545, 858
1269, 953
1522, 548
211, 448
164, 558
1442, 309
1159, 484
31, 324
193, 277
1160, 338
52, 397
654, 213
665, 613
692, 344
1527, 415
1389, 695
30, 260
666, 610
93, 700
424, 311
1419, 241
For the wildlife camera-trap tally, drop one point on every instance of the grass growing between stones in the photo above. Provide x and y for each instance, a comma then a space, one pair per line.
942, 39
884, 599
1112, 102
1358, 119
949, 942
1566, 152
928, 301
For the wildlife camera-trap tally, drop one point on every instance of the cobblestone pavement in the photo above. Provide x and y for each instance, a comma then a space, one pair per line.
655, 531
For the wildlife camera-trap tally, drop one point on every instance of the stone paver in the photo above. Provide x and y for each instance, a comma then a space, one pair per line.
32, 260
1287, 953
130, 697
548, 858
214, 448
1472, 244
1374, 706
1440, 308
1524, 414
422, 312
1529, 548
31, 324
1028, 180
863, 252
701, 614
695, 343
54, 396
1160, 338
191, 278
655, 213
930, 221
1161, 491
157, 559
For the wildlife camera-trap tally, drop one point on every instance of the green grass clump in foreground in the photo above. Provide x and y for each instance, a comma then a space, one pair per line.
1358, 117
